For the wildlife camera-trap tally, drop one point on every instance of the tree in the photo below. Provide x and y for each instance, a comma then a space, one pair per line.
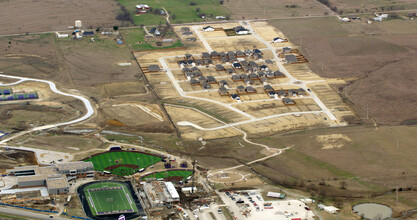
115, 28
173, 16
197, 9
221, 2
159, 43
98, 29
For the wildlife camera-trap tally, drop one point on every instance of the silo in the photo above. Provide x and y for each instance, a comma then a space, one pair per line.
78, 24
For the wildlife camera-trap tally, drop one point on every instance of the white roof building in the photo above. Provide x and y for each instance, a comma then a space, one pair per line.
329, 209
172, 191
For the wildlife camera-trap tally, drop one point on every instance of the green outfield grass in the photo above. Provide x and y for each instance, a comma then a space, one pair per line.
169, 173
108, 200
183, 11
103, 161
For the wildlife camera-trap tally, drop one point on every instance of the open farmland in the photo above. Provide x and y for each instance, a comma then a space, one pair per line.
375, 61
182, 10
355, 6
17, 17
247, 9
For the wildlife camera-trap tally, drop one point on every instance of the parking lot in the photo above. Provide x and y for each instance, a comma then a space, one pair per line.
250, 205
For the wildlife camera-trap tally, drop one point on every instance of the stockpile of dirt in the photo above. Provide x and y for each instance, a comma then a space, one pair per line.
14, 158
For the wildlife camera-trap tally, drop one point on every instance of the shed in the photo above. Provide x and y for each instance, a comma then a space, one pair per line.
154, 68
169, 40
88, 33
328, 209
290, 58
276, 195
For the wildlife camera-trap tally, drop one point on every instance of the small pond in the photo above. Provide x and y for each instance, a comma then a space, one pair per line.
373, 211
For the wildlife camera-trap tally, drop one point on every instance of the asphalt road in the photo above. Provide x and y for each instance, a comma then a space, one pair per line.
27, 214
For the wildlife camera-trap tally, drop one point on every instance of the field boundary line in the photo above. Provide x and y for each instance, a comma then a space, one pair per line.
128, 198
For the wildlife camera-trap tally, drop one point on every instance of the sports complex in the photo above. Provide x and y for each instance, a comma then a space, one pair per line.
122, 163
109, 199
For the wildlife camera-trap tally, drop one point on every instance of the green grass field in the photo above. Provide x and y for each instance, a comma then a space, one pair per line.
134, 35
108, 198
169, 173
183, 11
102, 161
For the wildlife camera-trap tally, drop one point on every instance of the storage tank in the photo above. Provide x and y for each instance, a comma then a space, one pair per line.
78, 24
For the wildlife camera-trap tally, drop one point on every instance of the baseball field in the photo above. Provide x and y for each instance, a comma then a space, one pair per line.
122, 163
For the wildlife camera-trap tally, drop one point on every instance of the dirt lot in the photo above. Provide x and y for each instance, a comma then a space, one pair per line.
14, 158
365, 56
64, 143
273, 8
52, 15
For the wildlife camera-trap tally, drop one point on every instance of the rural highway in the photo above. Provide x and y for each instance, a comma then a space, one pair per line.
52, 86
28, 214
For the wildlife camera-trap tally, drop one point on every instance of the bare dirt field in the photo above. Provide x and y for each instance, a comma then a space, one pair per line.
52, 15
62, 142
273, 8
365, 56
355, 6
